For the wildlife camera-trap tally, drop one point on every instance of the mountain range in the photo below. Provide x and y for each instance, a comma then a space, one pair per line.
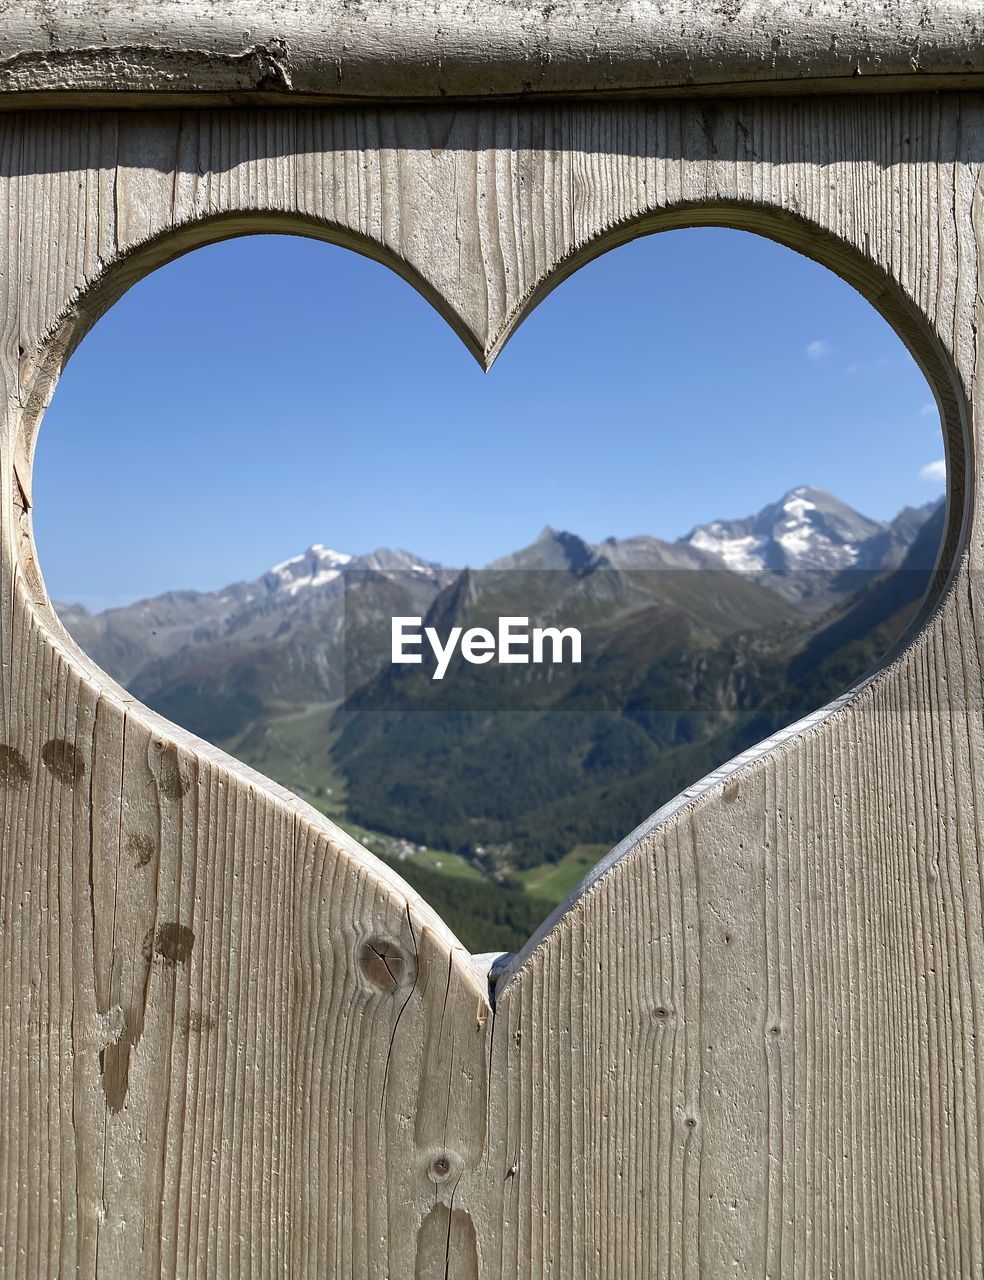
802, 547
681, 671
511, 769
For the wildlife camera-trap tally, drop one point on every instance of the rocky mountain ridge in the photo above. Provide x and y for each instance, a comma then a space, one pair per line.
216, 660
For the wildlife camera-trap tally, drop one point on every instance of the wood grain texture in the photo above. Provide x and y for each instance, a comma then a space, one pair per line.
115, 52
233, 1044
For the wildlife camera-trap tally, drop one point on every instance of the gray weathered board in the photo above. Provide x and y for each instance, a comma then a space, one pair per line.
233, 1044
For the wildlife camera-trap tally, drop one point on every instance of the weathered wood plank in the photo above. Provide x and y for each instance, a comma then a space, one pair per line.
78, 52
232, 1043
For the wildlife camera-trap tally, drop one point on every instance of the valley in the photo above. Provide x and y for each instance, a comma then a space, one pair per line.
495, 790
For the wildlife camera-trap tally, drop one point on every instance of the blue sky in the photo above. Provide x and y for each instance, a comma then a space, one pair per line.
269, 392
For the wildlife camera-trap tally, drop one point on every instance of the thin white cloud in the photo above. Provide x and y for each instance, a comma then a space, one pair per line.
817, 349
928, 410
934, 472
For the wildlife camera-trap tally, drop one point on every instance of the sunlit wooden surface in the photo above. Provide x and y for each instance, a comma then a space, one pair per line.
233, 1044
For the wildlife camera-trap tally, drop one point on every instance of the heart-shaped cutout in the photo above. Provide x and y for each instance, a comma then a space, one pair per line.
497, 798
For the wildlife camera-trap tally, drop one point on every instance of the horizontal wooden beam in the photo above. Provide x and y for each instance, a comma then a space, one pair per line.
137, 53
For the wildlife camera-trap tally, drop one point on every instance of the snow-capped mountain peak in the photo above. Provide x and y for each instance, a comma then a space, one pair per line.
315, 567
316, 551
806, 529
807, 538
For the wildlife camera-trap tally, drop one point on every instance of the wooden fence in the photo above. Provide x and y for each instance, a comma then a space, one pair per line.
232, 1043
